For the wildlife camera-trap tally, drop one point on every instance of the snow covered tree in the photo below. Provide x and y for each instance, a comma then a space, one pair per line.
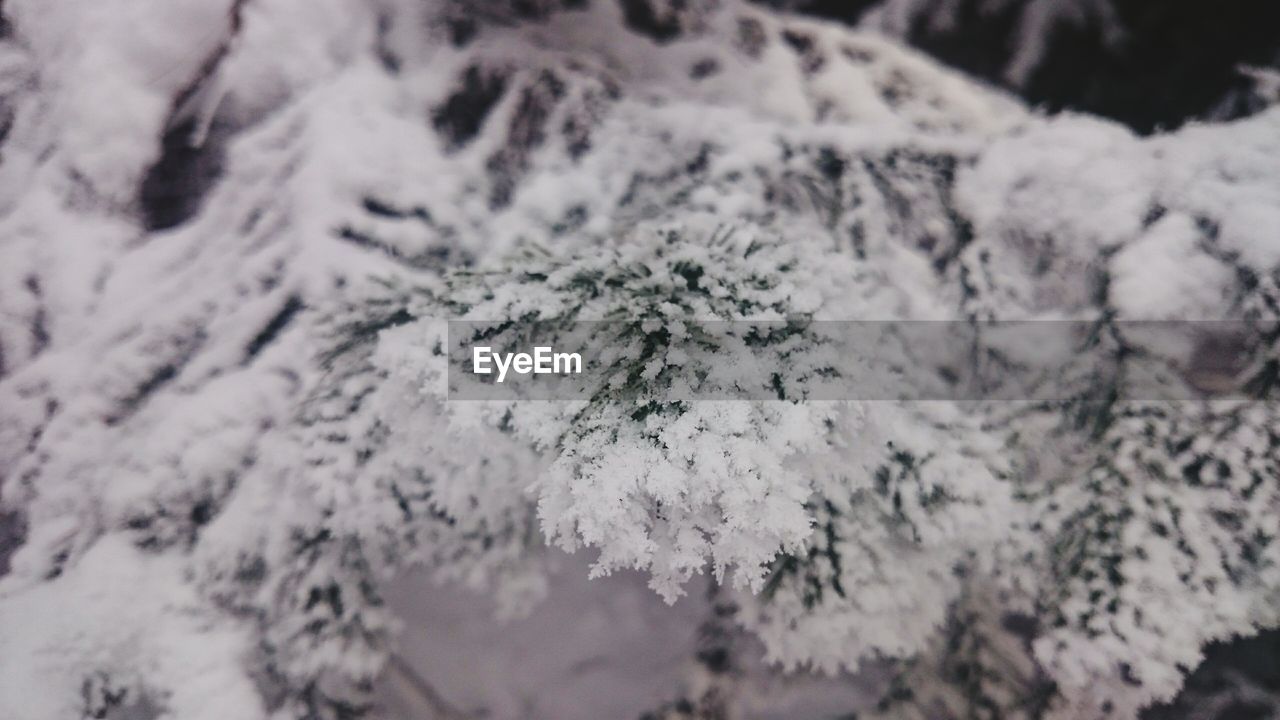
232, 247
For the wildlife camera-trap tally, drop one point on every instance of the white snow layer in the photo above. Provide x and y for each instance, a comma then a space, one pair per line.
150, 379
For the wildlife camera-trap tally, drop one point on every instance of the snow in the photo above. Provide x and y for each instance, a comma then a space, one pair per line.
156, 642
108, 72
227, 442
1164, 276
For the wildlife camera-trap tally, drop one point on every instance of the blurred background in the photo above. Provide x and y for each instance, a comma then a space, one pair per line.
1150, 65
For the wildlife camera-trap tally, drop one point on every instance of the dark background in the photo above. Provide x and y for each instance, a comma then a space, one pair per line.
1150, 64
